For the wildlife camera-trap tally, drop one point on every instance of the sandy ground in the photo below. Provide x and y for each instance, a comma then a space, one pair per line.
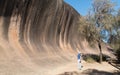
88, 68
18, 67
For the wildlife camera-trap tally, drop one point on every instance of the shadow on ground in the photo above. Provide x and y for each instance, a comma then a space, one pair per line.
94, 57
90, 72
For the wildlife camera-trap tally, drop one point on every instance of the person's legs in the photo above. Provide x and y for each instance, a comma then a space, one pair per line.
79, 64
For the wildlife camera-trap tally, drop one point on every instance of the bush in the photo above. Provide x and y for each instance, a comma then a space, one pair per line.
118, 54
94, 58
89, 60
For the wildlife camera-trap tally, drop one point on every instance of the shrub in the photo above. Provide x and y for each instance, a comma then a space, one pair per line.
118, 54
89, 60
94, 58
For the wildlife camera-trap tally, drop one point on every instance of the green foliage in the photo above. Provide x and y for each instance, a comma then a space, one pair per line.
94, 58
98, 19
102, 10
88, 30
114, 39
118, 54
89, 60
114, 42
101, 18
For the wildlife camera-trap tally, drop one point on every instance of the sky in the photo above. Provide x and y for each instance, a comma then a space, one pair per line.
82, 6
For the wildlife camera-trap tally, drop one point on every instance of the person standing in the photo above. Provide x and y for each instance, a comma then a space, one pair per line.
79, 60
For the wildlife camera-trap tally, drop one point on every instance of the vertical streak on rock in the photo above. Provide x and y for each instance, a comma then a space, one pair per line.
37, 27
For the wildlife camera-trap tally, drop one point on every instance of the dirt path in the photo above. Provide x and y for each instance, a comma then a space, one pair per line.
88, 69
16, 68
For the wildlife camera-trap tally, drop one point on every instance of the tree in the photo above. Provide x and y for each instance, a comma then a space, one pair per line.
88, 30
114, 39
115, 42
118, 24
102, 19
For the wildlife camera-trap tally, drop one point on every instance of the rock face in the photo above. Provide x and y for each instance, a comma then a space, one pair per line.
36, 27
37, 36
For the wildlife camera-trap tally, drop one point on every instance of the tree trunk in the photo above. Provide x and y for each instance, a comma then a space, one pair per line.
100, 56
99, 45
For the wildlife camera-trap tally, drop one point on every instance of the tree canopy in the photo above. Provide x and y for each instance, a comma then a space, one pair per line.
101, 23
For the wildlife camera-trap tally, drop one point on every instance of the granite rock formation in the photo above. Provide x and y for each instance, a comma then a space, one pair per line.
36, 27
